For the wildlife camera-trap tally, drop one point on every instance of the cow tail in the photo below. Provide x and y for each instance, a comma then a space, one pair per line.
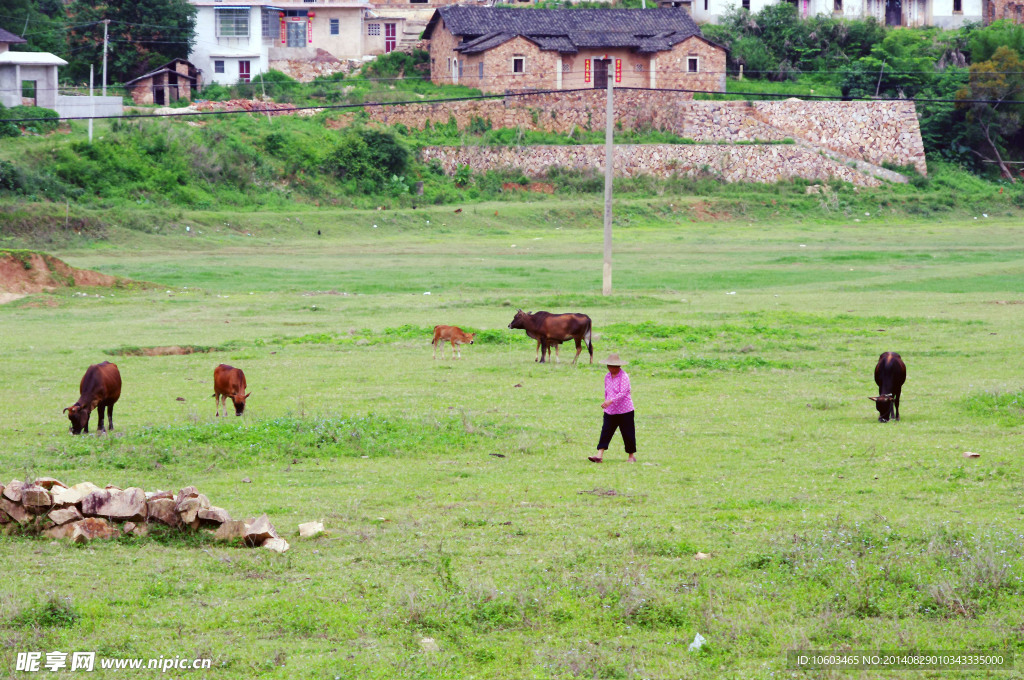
588, 336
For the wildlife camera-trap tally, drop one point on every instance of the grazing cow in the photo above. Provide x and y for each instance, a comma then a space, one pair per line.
553, 329
229, 381
540, 343
451, 334
890, 374
100, 386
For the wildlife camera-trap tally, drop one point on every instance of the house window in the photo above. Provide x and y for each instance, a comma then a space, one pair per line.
746, 5
566, 67
218, 66
244, 71
335, 26
958, 7
838, 6
692, 64
449, 64
639, 68
418, 2
232, 23
270, 25
705, 5
518, 64
373, 29
480, 69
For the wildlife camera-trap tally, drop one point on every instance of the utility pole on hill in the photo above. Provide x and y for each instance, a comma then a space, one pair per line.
606, 288
106, 23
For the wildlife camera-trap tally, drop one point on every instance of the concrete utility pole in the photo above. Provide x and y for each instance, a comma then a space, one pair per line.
606, 288
106, 23
92, 104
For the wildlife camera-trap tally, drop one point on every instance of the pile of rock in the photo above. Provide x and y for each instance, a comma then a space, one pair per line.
84, 512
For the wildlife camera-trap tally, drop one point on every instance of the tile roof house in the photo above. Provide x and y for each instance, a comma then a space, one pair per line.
173, 81
497, 50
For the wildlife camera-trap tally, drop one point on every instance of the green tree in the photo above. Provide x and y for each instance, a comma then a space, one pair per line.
143, 34
1003, 33
902, 65
994, 118
41, 23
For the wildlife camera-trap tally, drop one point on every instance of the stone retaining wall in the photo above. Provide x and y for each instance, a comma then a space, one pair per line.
731, 163
875, 132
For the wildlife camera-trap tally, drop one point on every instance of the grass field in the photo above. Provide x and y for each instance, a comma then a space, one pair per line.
458, 501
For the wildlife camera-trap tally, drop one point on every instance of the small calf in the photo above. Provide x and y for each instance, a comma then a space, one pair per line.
451, 334
890, 374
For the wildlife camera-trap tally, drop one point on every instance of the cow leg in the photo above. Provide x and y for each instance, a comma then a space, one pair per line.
896, 406
537, 355
545, 349
99, 425
110, 418
434, 345
579, 348
558, 359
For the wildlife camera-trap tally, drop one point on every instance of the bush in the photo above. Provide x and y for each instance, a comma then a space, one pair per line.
368, 158
7, 129
39, 116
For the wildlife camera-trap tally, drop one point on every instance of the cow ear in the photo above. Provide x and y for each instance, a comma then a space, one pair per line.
248, 395
873, 398
65, 410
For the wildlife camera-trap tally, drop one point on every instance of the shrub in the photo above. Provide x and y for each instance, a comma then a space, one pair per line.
38, 116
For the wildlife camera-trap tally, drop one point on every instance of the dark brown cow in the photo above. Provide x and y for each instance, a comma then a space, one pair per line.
100, 386
452, 334
229, 381
553, 329
540, 343
890, 374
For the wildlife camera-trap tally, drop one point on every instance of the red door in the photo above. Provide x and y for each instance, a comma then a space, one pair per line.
390, 41
243, 71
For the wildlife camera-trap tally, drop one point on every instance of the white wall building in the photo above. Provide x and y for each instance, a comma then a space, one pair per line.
236, 41
943, 13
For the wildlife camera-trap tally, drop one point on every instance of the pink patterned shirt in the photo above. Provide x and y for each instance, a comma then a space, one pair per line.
616, 390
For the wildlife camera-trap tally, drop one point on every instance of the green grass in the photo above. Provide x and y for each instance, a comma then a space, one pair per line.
457, 498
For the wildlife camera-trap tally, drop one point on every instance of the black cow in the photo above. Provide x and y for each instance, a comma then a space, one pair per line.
890, 374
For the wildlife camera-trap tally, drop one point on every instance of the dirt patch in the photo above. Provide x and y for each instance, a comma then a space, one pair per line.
533, 187
703, 212
167, 351
23, 272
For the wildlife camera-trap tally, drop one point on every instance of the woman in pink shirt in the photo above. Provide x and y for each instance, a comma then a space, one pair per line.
618, 410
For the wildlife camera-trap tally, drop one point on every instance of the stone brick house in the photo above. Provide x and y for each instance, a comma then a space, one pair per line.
514, 50
169, 83
1004, 9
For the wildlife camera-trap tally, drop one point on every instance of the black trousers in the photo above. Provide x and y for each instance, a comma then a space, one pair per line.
622, 422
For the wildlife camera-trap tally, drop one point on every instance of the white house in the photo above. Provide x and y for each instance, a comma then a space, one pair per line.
238, 40
942, 13
31, 78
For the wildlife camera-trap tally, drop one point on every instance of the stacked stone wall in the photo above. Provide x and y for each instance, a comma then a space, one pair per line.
731, 163
875, 132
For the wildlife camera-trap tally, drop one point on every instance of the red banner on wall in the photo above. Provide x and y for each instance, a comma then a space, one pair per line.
284, 31
309, 29
586, 71
618, 70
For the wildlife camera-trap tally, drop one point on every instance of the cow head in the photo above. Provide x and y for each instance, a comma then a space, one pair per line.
79, 417
884, 404
239, 401
519, 320
471, 337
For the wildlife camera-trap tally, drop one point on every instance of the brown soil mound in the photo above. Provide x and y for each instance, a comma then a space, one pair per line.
170, 350
23, 272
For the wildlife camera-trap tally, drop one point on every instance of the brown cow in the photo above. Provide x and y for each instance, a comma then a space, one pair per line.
229, 381
454, 335
100, 386
553, 329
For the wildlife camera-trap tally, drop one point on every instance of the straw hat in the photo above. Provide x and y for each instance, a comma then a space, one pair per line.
614, 360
